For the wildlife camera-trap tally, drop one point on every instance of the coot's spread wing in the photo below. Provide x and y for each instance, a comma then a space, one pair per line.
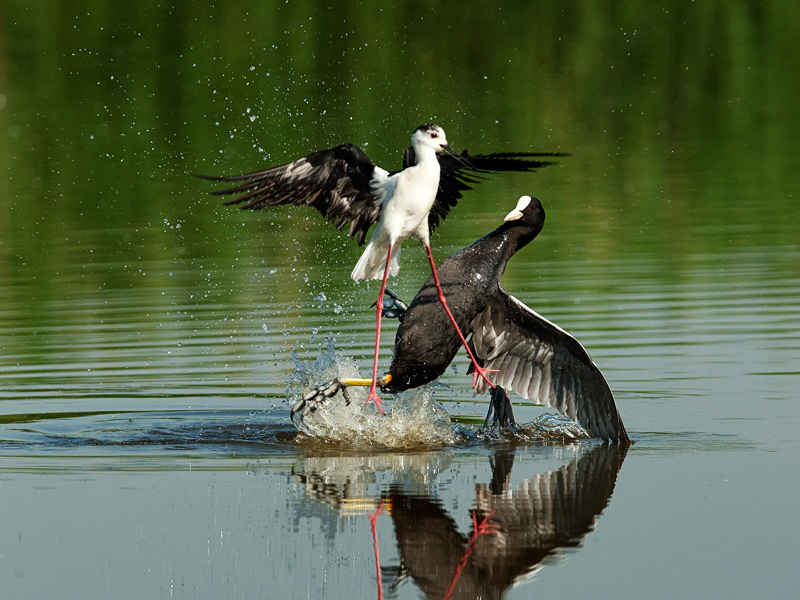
335, 181
542, 362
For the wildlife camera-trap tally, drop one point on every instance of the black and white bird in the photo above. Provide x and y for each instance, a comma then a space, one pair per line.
519, 349
345, 185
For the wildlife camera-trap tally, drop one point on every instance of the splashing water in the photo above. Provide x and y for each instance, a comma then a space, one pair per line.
544, 428
414, 418
553, 427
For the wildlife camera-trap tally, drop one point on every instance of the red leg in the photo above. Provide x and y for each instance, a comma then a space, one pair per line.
373, 519
373, 395
478, 529
478, 370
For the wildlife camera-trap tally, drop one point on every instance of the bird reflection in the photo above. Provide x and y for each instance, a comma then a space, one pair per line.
534, 520
520, 527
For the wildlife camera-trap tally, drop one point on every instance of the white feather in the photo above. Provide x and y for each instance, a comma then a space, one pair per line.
406, 198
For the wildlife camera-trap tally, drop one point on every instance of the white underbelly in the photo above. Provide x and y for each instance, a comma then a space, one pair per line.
401, 222
406, 212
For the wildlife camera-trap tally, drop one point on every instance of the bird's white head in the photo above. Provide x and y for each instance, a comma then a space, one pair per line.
428, 136
522, 204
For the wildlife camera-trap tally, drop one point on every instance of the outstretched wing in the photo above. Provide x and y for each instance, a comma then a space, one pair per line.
456, 178
542, 362
335, 181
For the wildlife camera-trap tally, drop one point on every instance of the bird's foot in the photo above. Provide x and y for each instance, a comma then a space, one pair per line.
315, 397
479, 371
373, 397
393, 307
484, 527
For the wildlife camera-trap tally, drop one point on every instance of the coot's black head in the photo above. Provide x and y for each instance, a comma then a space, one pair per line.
528, 211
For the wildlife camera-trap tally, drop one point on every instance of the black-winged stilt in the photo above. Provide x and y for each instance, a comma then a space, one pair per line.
519, 349
347, 187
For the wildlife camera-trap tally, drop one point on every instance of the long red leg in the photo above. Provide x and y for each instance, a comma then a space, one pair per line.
373, 395
373, 519
478, 370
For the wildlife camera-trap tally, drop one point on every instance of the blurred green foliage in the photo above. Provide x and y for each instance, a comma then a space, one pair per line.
682, 119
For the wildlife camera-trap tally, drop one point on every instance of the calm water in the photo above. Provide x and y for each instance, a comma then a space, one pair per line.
150, 339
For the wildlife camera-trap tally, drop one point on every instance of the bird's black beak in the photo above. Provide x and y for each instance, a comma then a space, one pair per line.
446, 148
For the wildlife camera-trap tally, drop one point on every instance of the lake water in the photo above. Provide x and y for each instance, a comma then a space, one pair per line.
151, 340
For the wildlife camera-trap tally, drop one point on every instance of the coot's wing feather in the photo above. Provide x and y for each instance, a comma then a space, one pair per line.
336, 182
542, 362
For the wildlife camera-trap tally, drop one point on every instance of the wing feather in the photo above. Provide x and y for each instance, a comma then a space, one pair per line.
336, 182
456, 178
542, 362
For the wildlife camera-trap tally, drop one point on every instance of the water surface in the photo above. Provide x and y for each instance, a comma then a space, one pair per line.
150, 339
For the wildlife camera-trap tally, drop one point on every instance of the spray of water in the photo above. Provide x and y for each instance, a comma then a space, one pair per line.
414, 419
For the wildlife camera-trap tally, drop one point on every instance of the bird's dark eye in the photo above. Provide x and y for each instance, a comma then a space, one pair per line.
434, 134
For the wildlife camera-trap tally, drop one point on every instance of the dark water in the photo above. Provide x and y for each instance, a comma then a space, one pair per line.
149, 337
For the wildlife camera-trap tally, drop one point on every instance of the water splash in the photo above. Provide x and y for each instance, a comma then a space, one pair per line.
547, 428
413, 419
554, 426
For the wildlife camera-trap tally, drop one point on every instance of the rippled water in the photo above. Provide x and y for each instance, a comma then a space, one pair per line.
152, 341
151, 438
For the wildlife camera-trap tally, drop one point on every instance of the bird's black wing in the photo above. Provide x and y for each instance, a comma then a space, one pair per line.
542, 362
456, 177
533, 520
335, 181
545, 516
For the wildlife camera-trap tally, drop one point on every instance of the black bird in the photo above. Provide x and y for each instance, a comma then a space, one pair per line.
520, 349
347, 187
